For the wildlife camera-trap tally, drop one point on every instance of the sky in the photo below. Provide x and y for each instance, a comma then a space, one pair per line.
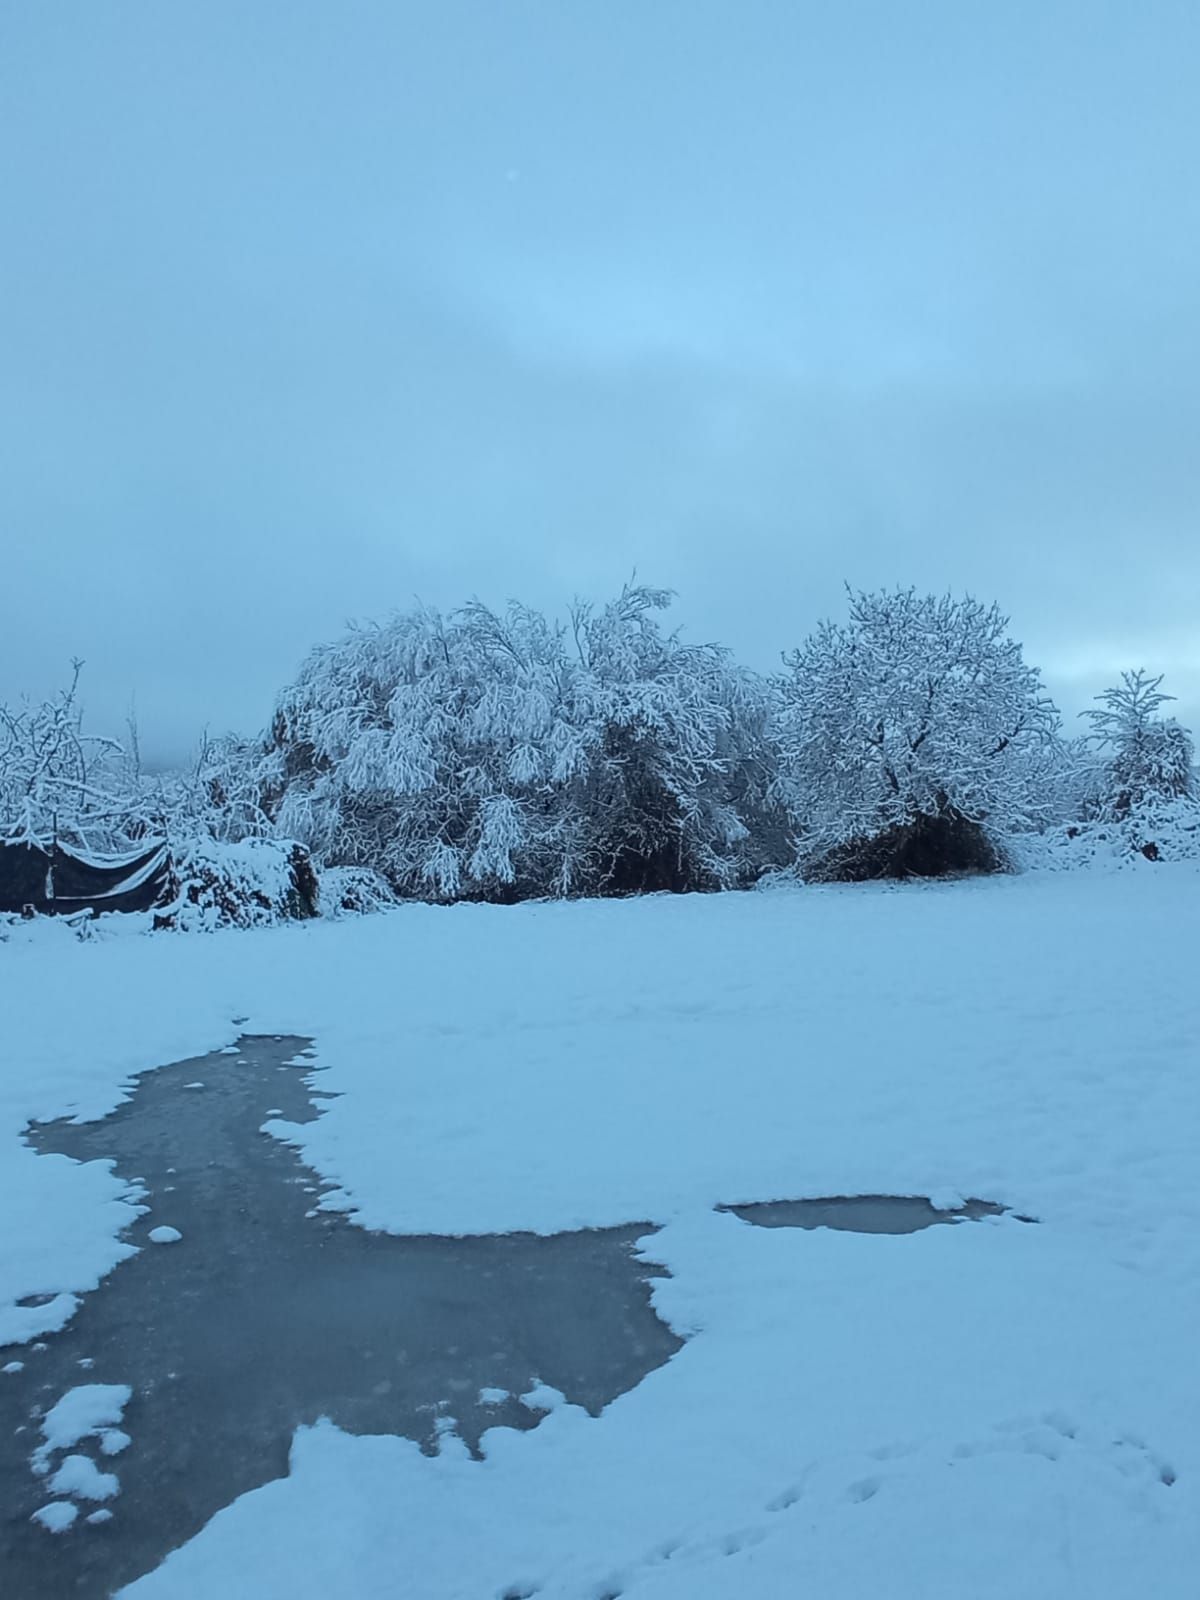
310, 310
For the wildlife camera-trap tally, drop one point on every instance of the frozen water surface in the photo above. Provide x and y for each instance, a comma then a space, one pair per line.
864, 1213
272, 1317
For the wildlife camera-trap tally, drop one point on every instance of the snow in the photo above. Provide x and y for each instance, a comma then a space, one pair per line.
13, 1366
69, 1215
80, 1476
57, 1517
164, 1235
97, 1517
543, 1398
985, 1410
493, 1397
113, 1441
81, 1412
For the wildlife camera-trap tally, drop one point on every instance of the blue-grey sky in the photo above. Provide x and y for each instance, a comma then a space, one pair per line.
309, 308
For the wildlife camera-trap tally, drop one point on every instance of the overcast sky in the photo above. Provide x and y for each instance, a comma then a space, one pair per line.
307, 309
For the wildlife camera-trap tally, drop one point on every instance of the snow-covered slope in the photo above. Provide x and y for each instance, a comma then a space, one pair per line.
990, 1409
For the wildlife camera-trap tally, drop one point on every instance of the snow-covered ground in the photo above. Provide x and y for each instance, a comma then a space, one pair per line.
991, 1409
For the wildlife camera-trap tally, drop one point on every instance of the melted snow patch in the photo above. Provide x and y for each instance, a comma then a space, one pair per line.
869, 1213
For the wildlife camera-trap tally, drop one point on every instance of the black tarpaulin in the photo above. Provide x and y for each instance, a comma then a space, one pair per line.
24, 876
63, 880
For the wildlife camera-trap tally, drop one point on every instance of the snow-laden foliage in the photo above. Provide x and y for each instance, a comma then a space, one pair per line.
353, 892
912, 738
1158, 830
88, 792
1131, 796
57, 781
1147, 759
500, 756
253, 883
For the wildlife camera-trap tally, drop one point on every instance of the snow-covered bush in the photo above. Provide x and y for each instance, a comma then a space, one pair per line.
215, 884
671, 762
353, 892
60, 785
1133, 795
58, 782
1160, 830
912, 739
1147, 759
498, 756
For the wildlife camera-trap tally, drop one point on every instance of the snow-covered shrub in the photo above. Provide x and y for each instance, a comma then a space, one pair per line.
353, 891
221, 796
57, 781
255, 882
911, 739
671, 764
495, 757
1161, 830
1133, 796
1147, 759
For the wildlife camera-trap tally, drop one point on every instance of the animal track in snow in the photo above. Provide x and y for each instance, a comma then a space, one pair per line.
1055, 1436
864, 1489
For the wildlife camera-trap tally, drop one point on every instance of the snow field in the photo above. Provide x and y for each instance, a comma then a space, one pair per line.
989, 1409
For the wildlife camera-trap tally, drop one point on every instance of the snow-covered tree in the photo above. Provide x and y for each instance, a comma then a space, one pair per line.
1146, 758
498, 756
56, 780
912, 738
673, 737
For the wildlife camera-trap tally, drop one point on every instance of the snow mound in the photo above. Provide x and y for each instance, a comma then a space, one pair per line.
56, 1517
353, 891
81, 1477
1168, 830
81, 1412
251, 884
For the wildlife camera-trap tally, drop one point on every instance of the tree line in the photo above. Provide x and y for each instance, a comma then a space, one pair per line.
501, 755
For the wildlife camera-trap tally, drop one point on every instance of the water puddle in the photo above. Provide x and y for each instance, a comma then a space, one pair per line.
247, 1313
865, 1213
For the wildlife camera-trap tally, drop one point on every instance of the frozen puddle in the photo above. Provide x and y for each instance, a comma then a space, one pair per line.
262, 1316
865, 1213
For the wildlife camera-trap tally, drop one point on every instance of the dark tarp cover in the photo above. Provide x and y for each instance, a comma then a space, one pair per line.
64, 880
